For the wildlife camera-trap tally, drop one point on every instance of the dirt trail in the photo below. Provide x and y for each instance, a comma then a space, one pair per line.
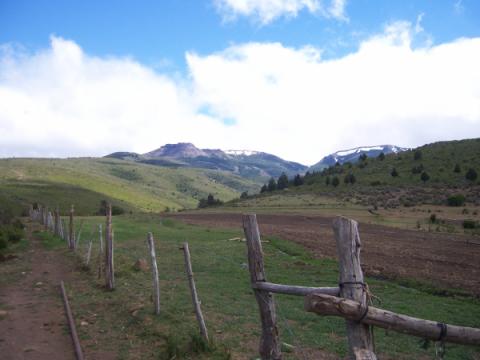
35, 326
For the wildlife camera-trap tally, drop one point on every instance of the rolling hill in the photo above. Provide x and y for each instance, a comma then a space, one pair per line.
426, 175
130, 185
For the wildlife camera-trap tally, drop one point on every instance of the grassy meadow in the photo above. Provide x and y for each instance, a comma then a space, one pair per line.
130, 185
122, 322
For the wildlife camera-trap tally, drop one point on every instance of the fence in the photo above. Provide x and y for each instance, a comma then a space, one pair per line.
349, 300
54, 224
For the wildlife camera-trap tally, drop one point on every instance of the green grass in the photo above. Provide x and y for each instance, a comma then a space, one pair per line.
231, 312
132, 186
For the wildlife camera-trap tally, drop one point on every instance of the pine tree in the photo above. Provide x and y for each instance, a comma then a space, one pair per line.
335, 181
394, 172
327, 180
264, 188
297, 180
272, 184
381, 157
417, 155
282, 182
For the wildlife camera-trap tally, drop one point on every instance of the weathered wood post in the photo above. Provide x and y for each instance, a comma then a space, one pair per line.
45, 219
193, 291
352, 286
109, 272
71, 232
270, 346
100, 253
56, 227
156, 285
89, 253
30, 211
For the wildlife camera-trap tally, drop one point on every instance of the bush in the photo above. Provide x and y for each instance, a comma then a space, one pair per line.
469, 224
394, 172
456, 200
433, 219
116, 210
471, 175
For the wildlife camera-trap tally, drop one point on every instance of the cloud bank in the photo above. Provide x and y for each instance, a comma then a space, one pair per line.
262, 96
266, 11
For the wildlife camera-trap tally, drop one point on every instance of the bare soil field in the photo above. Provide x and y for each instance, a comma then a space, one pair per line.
444, 260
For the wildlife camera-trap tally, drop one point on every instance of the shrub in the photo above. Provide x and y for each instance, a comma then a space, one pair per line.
381, 157
433, 218
425, 177
471, 175
457, 169
376, 183
116, 210
469, 224
394, 172
456, 200
244, 195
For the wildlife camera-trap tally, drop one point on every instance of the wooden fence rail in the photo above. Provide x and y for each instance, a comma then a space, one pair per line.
350, 300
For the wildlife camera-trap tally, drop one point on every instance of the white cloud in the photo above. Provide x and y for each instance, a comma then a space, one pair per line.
287, 101
266, 11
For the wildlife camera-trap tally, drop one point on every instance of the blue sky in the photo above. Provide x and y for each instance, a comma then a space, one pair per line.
159, 32
232, 66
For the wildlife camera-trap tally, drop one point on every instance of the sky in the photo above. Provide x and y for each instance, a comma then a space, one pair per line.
296, 78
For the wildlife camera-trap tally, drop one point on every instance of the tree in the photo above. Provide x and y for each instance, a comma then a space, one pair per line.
327, 180
297, 180
335, 181
457, 169
272, 184
381, 157
264, 188
363, 157
394, 172
425, 177
244, 195
282, 182
417, 155
349, 179
471, 175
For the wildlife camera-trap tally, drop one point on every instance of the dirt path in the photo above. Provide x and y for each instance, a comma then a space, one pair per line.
34, 326
447, 260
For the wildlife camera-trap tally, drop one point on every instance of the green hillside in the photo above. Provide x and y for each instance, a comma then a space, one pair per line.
130, 185
396, 179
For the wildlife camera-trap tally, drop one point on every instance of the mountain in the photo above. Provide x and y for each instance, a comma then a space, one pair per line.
352, 155
254, 165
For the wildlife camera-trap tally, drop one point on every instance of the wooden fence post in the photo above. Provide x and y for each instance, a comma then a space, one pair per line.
352, 286
109, 272
193, 290
56, 227
89, 253
71, 233
156, 285
270, 346
100, 253
45, 219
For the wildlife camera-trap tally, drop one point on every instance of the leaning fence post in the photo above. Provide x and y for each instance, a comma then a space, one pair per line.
156, 286
100, 253
193, 290
352, 285
71, 236
270, 346
89, 253
109, 272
